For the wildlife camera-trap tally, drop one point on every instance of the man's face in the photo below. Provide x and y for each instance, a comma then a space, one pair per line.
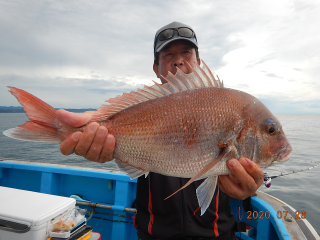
175, 54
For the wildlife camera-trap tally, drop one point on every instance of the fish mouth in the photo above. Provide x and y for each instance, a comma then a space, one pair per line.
284, 159
283, 154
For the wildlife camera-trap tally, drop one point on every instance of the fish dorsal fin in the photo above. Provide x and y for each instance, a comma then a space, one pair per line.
196, 78
215, 82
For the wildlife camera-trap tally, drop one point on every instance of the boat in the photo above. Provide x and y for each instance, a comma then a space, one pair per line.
109, 197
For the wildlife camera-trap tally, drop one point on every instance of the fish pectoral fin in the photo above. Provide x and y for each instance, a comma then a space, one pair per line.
200, 178
200, 174
130, 170
205, 192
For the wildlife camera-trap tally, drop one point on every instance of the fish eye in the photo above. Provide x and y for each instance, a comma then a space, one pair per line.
272, 130
271, 127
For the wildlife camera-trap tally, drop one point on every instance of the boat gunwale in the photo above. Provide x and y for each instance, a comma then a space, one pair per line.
104, 173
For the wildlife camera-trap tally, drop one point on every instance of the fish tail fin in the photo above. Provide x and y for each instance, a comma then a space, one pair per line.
42, 126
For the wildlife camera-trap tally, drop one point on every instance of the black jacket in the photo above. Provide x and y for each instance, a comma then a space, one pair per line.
179, 216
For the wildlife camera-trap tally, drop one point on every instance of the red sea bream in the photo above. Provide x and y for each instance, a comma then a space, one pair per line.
188, 127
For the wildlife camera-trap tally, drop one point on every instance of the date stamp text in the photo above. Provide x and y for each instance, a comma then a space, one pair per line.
280, 214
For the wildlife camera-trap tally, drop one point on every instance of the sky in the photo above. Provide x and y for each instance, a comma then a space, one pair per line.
77, 54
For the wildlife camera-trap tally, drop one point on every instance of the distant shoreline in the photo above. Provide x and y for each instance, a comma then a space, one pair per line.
20, 109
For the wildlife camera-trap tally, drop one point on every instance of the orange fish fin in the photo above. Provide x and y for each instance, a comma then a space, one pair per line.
177, 82
220, 82
154, 91
31, 131
37, 110
194, 77
124, 101
130, 170
200, 178
210, 75
205, 192
180, 82
43, 119
161, 88
185, 79
203, 76
202, 172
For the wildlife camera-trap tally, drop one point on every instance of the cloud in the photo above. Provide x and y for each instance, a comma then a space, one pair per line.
242, 86
272, 75
279, 103
85, 46
67, 92
260, 60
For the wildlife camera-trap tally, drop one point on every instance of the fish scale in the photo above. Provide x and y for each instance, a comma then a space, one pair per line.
188, 127
170, 138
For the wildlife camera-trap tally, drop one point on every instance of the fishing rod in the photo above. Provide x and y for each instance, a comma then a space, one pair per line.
267, 179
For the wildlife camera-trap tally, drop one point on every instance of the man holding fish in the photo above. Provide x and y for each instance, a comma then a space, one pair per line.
177, 217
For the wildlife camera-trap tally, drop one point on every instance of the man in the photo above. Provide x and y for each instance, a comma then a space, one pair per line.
178, 217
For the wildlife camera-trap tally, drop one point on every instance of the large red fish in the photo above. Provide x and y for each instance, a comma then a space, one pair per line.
188, 127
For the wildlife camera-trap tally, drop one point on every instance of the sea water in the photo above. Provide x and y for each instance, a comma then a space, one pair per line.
300, 190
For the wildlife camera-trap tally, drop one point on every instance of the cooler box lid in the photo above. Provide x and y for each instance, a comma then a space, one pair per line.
31, 208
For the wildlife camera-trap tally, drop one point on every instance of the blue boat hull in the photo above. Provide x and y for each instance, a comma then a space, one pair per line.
114, 190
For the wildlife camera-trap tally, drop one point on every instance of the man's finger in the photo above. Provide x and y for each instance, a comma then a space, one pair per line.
68, 145
95, 149
74, 119
107, 151
233, 178
86, 139
246, 180
228, 186
253, 170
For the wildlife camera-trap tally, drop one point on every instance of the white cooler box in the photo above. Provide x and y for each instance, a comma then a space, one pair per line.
26, 215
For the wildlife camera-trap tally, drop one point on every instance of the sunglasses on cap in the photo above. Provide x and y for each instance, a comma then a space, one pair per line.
169, 33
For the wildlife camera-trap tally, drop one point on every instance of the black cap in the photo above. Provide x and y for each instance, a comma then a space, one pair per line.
159, 45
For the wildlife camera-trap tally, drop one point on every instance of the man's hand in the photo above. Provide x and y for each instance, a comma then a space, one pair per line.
94, 144
244, 181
